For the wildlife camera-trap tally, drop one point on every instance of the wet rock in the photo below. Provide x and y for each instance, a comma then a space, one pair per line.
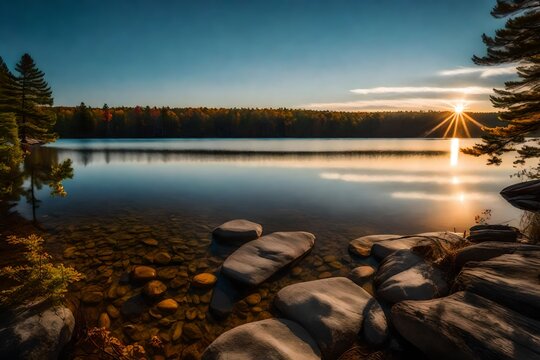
253, 299
143, 273
150, 242
511, 280
277, 339
488, 250
136, 332
296, 271
256, 261
325, 275
112, 311
167, 273
362, 245
467, 326
37, 332
191, 332
133, 307
104, 321
162, 258
237, 231
178, 282
154, 289
334, 311
224, 296
204, 280
92, 294
361, 274
168, 305
70, 252
176, 330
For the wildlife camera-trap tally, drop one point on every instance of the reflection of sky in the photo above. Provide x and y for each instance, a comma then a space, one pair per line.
387, 193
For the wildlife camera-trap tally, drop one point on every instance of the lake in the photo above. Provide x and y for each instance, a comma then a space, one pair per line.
125, 192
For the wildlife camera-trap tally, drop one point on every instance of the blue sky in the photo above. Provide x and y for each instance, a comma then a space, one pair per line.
333, 54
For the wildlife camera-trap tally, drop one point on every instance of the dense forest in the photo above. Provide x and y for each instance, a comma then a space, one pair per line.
138, 122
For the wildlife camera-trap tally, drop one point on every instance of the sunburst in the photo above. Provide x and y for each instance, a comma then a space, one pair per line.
457, 122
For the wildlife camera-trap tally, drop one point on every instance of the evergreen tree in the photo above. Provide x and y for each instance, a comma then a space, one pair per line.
7, 88
518, 42
10, 154
32, 97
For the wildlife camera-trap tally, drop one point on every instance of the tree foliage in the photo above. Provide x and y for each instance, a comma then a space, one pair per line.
518, 42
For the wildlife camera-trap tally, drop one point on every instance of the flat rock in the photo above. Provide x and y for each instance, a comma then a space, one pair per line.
167, 305
420, 282
154, 289
143, 273
334, 311
276, 339
512, 280
480, 233
395, 263
204, 280
237, 231
384, 248
362, 245
39, 332
361, 274
467, 327
489, 249
256, 261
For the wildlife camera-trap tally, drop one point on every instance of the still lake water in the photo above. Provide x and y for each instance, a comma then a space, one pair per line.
174, 192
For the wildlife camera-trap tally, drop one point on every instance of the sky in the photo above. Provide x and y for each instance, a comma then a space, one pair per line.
353, 55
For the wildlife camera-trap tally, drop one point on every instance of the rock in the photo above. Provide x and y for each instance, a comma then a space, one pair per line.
204, 280
224, 296
296, 271
133, 307
257, 260
489, 249
154, 289
511, 280
92, 295
176, 330
36, 332
466, 326
253, 299
361, 274
191, 332
420, 282
104, 321
162, 258
480, 233
395, 263
524, 195
276, 339
362, 246
325, 275
70, 252
112, 311
143, 273
168, 305
237, 231
150, 242
334, 311
384, 248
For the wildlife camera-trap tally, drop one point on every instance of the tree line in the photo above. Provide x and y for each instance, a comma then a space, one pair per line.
142, 122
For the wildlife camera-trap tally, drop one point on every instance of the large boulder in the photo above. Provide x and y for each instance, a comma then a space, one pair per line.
420, 282
277, 339
334, 311
362, 245
384, 248
237, 231
38, 333
488, 250
467, 327
395, 263
480, 233
524, 195
512, 280
259, 259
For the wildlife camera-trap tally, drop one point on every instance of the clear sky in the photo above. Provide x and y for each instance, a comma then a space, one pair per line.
318, 54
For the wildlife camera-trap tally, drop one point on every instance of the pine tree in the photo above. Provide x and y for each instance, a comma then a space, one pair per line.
10, 154
518, 42
7, 88
33, 96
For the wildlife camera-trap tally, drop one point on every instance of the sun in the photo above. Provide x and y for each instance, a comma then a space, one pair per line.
458, 109
456, 122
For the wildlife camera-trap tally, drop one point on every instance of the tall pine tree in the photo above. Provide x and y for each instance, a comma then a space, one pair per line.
518, 42
32, 98
7, 88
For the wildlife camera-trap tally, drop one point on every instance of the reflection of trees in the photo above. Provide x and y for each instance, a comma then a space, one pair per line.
41, 167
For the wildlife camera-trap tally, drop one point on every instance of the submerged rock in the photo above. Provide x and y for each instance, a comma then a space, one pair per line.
258, 260
277, 339
511, 280
237, 231
467, 327
204, 280
143, 273
154, 289
334, 311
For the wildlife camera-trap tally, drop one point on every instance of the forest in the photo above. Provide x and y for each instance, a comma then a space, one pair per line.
144, 122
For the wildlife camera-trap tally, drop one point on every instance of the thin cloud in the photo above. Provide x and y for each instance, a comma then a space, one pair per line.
484, 72
470, 90
411, 104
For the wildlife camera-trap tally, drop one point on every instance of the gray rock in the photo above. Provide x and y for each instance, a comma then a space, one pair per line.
524, 195
237, 231
277, 339
384, 248
334, 311
467, 327
395, 263
511, 280
480, 233
38, 333
259, 259
362, 245
420, 282
489, 249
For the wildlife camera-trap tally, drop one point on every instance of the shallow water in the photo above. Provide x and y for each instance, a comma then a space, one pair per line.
176, 191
